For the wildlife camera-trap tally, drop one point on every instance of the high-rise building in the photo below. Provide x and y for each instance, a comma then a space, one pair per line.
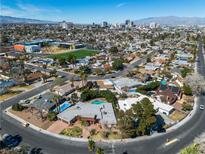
105, 24
153, 25
127, 22
64, 25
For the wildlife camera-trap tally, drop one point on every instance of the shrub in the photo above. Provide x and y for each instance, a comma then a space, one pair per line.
149, 87
118, 64
73, 132
187, 90
52, 116
93, 132
85, 123
187, 107
184, 72
91, 145
18, 107
105, 134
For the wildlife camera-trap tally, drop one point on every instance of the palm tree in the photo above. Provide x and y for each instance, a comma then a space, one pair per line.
83, 77
72, 82
99, 151
72, 60
45, 67
91, 145
56, 101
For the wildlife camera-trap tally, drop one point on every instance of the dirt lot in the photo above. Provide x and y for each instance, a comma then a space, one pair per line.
177, 115
33, 118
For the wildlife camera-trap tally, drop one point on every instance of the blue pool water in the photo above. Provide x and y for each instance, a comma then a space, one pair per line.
132, 90
97, 102
63, 106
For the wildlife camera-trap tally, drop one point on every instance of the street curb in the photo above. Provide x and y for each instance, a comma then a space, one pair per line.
22, 93
118, 141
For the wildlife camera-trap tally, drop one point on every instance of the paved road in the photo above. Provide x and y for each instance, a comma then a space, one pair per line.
116, 74
151, 145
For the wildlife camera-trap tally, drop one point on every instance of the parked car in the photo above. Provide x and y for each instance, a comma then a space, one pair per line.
201, 107
25, 124
11, 141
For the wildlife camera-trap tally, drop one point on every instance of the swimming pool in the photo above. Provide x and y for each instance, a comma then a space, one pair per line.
63, 107
132, 90
97, 102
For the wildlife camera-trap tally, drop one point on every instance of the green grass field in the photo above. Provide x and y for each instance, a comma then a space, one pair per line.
78, 53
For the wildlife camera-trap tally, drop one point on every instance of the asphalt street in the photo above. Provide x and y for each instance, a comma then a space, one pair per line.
182, 136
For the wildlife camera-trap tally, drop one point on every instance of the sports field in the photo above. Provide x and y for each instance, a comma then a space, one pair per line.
78, 53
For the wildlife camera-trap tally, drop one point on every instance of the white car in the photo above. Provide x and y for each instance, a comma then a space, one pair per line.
201, 107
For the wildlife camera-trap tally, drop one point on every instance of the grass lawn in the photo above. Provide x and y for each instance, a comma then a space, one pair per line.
112, 136
8, 95
21, 88
78, 53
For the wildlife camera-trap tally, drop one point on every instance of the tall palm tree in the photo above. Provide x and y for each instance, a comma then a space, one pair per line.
83, 77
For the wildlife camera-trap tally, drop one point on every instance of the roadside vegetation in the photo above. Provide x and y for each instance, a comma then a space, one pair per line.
192, 149
138, 120
73, 132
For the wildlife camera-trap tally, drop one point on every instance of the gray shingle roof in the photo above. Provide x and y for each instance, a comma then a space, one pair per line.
103, 112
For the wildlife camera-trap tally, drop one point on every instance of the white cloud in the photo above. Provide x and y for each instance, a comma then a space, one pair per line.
29, 11
120, 5
7, 11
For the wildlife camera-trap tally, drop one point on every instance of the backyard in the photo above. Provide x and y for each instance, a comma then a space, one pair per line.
78, 54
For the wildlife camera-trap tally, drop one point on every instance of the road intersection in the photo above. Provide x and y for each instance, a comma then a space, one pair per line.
158, 144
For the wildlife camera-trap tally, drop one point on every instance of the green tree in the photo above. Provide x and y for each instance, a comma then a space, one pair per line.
187, 90
145, 113
71, 59
18, 107
118, 64
62, 61
85, 69
148, 59
52, 116
184, 72
113, 50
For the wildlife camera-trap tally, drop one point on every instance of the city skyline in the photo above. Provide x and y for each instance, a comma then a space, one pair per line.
89, 11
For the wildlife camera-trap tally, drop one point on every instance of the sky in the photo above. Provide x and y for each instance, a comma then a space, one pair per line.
89, 11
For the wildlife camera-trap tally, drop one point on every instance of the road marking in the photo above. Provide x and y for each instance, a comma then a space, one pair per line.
171, 142
113, 149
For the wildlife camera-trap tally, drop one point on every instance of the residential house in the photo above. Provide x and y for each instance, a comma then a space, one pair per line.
168, 93
44, 102
127, 103
92, 113
67, 88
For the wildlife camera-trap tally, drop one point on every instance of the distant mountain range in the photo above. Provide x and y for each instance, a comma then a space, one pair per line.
172, 21
166, 20
9, 19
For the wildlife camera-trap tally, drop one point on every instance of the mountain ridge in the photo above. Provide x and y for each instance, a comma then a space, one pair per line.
172, 20
10, 19
162, 20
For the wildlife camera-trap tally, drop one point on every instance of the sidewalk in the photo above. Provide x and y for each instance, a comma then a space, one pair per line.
182, 122
35, 87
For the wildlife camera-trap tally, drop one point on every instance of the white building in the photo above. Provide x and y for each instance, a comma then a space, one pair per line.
64, 25
32, 48
127, 103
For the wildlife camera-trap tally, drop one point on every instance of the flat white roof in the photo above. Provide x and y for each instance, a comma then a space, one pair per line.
127, 103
